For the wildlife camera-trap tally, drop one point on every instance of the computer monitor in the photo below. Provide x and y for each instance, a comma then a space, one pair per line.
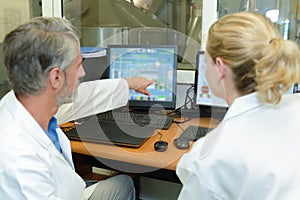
205, 99
95, 68
207, 102
157, 62
94, 63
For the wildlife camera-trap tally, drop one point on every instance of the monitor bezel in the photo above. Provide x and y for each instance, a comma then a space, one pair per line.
153, 105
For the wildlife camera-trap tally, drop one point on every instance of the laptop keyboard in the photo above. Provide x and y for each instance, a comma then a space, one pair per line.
193, 133
141, 119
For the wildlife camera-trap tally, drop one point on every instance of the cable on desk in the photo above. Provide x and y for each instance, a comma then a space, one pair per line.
185, 119
188, 100
160, 135
180, 126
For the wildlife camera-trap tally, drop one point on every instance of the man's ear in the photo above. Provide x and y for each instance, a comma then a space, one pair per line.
56, 77
221, 67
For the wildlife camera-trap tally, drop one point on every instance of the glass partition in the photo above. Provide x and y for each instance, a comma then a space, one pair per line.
169, 22
283, 13
139, 22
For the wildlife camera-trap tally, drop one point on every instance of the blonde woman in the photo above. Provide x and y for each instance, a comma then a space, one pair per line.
254, 152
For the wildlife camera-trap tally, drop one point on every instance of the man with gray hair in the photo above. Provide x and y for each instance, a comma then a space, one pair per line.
44, 65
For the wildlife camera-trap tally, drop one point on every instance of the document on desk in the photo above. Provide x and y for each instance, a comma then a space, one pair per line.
122, 134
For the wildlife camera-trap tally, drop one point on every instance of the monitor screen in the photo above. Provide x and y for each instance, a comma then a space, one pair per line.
157, 62
203, 94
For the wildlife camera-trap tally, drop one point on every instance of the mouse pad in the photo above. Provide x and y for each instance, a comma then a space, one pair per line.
121, 134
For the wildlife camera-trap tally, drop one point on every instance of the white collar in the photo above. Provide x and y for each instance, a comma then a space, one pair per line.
243, 104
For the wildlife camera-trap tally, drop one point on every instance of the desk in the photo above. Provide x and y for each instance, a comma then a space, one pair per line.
135, 160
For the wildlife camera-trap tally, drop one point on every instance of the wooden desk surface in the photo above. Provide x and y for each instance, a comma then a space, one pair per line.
145, 155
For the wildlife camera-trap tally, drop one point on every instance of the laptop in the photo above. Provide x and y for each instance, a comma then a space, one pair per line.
89, 129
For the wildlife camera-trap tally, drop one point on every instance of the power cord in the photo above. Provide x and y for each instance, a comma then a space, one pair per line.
188, 109
160, 135
188, 98
178, 124
187, 101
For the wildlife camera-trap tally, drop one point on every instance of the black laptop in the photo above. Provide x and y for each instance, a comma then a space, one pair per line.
89, 129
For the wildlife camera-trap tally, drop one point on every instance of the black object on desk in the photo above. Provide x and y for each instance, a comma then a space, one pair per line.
193, 133
161, 146
181, 143
89, 129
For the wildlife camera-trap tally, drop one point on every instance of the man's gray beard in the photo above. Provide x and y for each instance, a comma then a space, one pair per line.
62, 99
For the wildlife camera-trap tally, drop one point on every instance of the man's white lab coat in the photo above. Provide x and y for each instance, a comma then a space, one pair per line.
30, 165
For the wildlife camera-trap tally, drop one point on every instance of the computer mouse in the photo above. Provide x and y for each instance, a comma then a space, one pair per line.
181, 143
161, 146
